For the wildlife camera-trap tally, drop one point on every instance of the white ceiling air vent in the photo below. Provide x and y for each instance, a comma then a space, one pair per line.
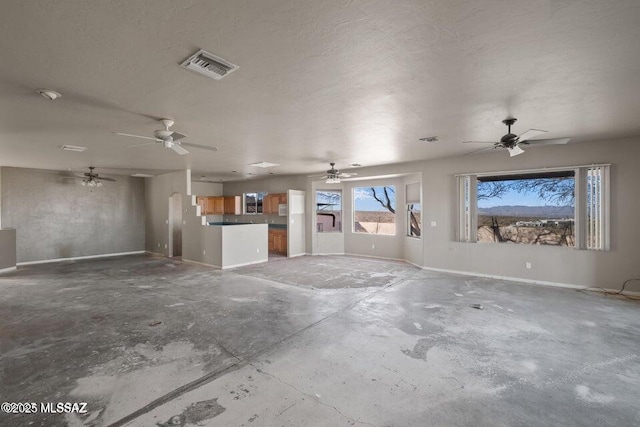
209, 65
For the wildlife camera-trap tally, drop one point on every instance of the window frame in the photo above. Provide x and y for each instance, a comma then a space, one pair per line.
353, 212
259, 196
467, 203
338, 191
408, 219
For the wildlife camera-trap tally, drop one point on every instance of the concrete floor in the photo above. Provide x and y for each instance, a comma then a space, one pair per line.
311, 341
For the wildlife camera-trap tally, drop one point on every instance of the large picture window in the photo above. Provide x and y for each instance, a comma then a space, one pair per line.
328, 211
374, 210
558, 207
532, 208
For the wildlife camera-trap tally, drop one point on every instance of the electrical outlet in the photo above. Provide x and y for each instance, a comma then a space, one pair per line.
433, 223
158, 244
373, 246
528, 265
204, 252
257, 250
166, 246
167, 221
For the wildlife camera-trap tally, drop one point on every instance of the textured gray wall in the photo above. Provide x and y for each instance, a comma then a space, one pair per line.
7, 249
59, 218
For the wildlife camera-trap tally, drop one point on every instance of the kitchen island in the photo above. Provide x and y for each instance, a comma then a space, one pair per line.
232, 244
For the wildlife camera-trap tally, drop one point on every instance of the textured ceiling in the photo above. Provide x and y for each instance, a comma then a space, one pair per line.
346, 81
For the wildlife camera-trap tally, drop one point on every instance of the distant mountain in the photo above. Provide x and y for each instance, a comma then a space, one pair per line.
529, 211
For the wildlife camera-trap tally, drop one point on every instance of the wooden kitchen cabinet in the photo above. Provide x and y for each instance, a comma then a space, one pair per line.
210, 205
271, 241
233, 205
218, 205
202, 202
272, 201
278, 241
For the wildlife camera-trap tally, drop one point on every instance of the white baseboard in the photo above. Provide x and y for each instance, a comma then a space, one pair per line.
297, 255
414, 264
375, 257
244, 264
201, 263
327, 253
155, 253
8, 269
226, 266
530, 281
76, 258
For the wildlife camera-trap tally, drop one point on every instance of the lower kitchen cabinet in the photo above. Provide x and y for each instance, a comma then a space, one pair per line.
278, 241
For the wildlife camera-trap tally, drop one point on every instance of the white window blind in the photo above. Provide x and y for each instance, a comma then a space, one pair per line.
597, 207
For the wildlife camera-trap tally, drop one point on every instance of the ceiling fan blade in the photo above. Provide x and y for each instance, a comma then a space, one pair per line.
480, 142
202, 147
556, 141
482, 150
515, 151
531, 133
347, 175
137, 136
140, 145
177, 135
178, 149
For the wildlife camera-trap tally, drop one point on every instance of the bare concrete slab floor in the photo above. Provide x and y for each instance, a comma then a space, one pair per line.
311, 341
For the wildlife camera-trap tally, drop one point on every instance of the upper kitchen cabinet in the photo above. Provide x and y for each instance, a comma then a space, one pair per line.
273, 201
233, 205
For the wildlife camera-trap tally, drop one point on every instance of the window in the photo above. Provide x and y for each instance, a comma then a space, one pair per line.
560, 207
374, 210
414, 216
328, 211
414, 220
253, 203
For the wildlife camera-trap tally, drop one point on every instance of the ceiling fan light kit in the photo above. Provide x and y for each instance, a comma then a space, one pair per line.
333, 175
513, 142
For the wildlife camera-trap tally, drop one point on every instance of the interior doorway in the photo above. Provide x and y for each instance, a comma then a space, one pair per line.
175, 225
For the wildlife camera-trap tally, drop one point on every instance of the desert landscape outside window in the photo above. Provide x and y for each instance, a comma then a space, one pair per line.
414, 220
374, 210
329, 211
532, 208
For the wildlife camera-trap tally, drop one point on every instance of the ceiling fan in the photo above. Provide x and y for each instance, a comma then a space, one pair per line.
333, 175
513, 142
90, 179
168, 139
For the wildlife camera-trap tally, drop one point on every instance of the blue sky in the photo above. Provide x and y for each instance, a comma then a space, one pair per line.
514, 198
364, 201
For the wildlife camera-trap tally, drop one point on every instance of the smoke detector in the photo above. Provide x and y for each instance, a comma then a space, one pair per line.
209, 65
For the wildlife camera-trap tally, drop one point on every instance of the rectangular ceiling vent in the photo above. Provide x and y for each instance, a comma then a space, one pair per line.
209, 65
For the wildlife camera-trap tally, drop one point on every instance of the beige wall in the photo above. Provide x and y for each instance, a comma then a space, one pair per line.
441, 251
